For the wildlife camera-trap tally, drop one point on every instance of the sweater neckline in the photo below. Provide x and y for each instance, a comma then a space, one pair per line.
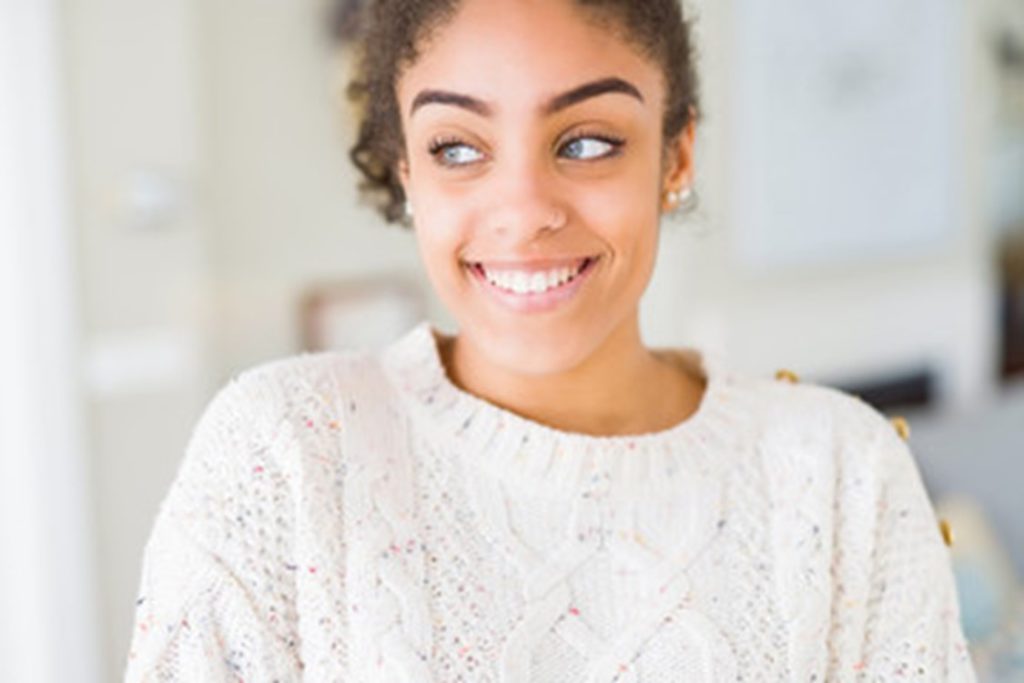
524, 452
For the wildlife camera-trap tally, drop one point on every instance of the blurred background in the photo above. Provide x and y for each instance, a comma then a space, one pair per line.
176, 205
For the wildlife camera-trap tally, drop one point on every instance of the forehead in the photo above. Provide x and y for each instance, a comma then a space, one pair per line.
517, 53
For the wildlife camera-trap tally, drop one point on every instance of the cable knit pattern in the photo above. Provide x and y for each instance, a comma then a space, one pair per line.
357, 517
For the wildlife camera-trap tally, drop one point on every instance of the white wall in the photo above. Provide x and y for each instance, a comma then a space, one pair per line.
835, 323
47, 569
282, 194
137, 153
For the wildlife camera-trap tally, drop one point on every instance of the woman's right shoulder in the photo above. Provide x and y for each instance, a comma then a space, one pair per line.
266, 445
267, 409
292, 390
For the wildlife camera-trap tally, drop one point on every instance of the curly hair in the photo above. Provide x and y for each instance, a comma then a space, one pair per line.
389, 34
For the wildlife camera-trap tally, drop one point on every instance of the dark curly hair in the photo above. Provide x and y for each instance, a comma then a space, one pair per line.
389, 33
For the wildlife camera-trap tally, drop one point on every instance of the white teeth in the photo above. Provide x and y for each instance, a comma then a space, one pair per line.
522, 282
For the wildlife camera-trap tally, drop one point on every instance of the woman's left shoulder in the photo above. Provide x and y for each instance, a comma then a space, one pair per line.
847, 511
807, 420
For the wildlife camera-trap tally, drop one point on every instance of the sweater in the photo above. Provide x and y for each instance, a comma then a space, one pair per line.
344, 516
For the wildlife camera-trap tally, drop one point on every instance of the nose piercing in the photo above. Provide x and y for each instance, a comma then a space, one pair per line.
558, 220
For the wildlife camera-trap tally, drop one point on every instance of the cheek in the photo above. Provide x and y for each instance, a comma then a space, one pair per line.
629, 191
625, 215
441, 237
447, 219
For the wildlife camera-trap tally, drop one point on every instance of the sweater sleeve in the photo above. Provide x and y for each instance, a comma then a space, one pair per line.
912, 628
215, 589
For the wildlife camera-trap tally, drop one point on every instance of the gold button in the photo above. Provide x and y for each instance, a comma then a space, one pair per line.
902, 427
787, 376
947, 532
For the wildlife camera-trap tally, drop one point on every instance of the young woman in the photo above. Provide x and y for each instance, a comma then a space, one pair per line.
540, 497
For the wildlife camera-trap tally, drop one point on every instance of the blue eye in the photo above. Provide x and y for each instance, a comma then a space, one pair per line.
454, 153
451, 152
589, 147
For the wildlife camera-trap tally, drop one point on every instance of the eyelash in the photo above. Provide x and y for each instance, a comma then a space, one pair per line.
440, 144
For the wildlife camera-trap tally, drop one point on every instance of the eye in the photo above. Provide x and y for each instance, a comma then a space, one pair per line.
588, 147
453, 152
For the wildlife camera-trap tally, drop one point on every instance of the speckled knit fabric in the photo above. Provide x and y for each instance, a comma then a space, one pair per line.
344, 517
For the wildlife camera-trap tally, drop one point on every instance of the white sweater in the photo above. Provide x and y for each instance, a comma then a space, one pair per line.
352, 517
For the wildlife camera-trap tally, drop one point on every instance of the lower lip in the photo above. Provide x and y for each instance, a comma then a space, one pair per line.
536, 302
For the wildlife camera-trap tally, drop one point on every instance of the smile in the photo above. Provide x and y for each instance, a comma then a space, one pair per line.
533, 287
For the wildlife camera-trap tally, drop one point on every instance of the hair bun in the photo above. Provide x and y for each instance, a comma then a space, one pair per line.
346, 19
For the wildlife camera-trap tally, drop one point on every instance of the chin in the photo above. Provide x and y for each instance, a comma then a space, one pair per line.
537, 351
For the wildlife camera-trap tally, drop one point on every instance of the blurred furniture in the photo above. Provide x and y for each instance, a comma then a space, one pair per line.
1011, 269
972, 466
978, 453
991, 596
364, 314
913, 388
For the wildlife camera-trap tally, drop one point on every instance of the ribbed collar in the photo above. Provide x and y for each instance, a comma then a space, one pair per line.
527, 453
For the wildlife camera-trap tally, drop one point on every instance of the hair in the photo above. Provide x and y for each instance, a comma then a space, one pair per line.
390, 33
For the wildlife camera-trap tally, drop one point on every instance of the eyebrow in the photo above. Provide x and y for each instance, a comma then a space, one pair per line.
557, 103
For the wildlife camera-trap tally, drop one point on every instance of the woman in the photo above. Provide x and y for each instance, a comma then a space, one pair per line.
540, 497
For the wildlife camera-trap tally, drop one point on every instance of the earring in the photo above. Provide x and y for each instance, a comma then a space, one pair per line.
679, 201
408, 209
685, 195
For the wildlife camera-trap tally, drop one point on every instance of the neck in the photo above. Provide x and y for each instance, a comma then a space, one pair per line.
621, 388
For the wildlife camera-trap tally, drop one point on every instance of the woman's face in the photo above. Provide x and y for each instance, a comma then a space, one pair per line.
534, 170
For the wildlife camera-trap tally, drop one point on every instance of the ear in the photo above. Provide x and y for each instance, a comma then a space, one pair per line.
402, 173
679, 166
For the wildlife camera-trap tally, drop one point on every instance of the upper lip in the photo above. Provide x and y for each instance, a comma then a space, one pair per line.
531, 265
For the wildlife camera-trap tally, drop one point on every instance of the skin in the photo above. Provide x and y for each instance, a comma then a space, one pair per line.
515, 191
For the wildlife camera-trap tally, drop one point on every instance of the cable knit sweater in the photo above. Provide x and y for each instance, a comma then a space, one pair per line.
357, 517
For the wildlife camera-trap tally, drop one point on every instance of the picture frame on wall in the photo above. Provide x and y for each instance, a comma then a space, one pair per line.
847, 131
360, 314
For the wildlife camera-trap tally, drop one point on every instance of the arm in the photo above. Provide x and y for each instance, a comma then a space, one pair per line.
912, 628
214, 593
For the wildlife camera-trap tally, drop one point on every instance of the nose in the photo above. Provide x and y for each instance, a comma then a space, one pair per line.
527, 199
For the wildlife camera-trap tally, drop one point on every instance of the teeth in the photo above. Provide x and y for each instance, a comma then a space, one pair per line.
522, 282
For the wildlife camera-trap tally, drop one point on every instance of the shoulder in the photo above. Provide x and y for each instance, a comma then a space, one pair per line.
288, 390
279, 383
256, 420
811, 423
265, 430
794, 402
814, 447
